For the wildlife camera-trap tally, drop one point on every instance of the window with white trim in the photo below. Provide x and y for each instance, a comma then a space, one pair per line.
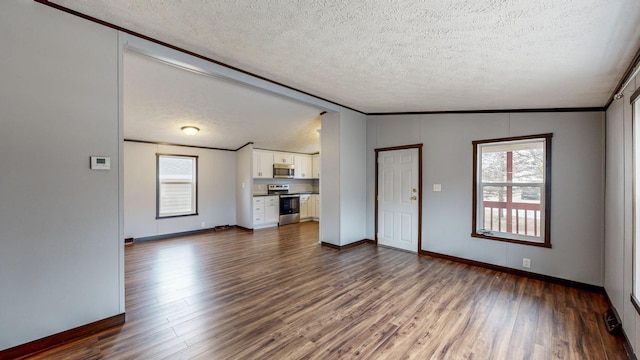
511, 187
635, 295
176, 185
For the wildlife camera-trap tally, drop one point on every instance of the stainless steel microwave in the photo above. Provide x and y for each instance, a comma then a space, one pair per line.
283, 171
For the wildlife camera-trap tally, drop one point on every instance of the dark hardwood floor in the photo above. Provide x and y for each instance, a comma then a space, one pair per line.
277, 294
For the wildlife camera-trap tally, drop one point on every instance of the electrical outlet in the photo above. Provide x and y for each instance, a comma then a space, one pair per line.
526, 263
202, 224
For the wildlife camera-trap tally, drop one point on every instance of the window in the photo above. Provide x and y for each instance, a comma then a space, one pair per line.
512, 189
176, 189
635, 111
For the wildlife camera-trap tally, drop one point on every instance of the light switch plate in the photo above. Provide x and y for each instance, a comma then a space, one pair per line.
437, 187
100, 163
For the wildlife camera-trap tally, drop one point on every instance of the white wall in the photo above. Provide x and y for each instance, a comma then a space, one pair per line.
577, 186
244, 187
618, 271
353, 172
343, 196
330, 179
60, 249
216, 190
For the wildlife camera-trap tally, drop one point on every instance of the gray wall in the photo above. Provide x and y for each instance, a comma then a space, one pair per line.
618, 249
244, 187
60, 251
216, 190
353, 172
330, 191
577, 186
343, 196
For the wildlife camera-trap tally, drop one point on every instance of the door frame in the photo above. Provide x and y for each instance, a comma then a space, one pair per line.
401, 147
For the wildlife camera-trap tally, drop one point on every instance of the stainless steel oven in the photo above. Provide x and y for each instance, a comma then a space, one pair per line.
289, 203
283, 171
289, 209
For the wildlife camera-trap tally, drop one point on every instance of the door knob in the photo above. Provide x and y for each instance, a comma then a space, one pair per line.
414, 198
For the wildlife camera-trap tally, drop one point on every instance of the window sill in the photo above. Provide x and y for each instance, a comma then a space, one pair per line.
521, 242
174, 216
635, 303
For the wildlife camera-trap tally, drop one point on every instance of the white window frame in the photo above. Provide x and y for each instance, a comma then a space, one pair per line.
635, 115
478, 221
194, 187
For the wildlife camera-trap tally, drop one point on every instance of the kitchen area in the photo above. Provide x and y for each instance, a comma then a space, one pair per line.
285, 188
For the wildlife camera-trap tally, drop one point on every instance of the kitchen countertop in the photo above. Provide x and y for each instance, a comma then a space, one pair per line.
298, 193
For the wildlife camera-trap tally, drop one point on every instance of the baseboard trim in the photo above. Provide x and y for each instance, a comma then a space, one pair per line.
347, 246
527, 274
627, 344
243, 228
186, 233
58, 339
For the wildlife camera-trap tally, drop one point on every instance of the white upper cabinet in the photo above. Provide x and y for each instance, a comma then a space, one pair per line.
302, 166
283, 158
315, 166
306, 166
262, 164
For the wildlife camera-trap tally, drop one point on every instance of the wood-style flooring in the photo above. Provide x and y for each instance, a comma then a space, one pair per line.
278, 294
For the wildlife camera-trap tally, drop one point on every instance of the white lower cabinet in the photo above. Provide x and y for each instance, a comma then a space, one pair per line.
313, 207
266, 211
316, 208
304, 207
272, 209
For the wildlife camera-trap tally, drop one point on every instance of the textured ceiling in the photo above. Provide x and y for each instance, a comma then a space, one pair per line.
159, 99
411, 55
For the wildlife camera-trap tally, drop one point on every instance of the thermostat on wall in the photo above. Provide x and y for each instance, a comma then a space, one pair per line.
100, 163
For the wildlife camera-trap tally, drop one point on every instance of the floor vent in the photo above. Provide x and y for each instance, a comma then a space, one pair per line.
612, 322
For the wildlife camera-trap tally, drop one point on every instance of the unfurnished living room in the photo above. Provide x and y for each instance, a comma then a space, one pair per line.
320, 180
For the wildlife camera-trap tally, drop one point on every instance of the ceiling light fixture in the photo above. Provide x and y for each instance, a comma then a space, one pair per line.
190, 130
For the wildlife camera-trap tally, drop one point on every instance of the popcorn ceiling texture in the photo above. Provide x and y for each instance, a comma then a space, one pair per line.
159, 99
394, 56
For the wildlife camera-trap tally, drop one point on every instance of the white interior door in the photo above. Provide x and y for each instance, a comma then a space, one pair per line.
398, 199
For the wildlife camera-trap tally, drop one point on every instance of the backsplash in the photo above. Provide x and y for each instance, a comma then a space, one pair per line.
295, 185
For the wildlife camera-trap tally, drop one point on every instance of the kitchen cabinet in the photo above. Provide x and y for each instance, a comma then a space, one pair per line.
266, 211
272, 209
283, 158
314, 207
304, 207
258, 211
315, 166
262, 164
302, 166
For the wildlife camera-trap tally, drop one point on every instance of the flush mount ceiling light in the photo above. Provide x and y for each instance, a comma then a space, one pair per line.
190, 130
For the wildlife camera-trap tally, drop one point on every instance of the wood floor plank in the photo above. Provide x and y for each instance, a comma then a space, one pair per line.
278, 294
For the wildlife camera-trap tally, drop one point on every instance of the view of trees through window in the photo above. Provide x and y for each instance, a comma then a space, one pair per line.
527, 167
510, 187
